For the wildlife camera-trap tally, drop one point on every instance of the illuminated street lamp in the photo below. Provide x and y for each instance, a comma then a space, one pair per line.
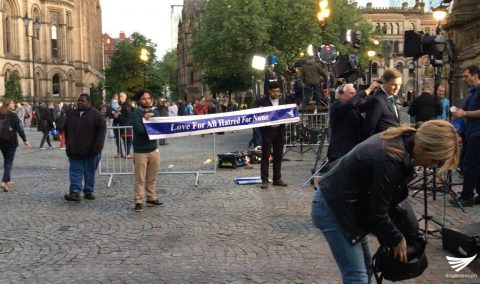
323, 13
144, 57
371, 54
36, 35
439, 13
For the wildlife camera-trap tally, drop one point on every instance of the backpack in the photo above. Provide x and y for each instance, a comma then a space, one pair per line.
5, 129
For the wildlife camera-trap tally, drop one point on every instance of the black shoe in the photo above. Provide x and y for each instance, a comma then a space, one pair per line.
154, 202
264, 184
463, 201
279, 182
72, 196
89, 196
138, 207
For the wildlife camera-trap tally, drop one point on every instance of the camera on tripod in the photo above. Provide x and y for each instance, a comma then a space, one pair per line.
418, 44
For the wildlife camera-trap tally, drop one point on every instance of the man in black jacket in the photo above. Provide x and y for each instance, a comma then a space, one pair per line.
346, 119
272, 136
85, 130
380, 109
426, 106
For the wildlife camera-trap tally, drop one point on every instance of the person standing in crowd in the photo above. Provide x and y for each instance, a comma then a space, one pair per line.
21, 113
146, 156
201, 107
272, 137
312, 74
60, 125
9, 127
380, 109
444, 102
471, 162
270, 76
182, 108
47, 125
172, 109
85, 130
357, 196
189, 108
346, 119
28, 114
124, 135
425, 107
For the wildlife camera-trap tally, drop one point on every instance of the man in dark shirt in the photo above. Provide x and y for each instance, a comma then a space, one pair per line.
346, 119
425, 107
471, 113
85, 130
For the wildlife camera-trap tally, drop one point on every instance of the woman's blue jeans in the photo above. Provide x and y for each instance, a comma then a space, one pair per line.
354, 260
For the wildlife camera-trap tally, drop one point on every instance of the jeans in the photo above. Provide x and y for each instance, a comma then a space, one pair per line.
45, 137
8, 155
471, 164
83, 170
354, 261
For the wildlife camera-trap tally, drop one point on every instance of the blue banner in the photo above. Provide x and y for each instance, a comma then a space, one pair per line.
178, 126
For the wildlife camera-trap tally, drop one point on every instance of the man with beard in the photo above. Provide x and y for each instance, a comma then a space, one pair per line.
146, 157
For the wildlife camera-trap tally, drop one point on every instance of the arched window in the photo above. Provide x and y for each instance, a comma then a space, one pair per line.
375, 68
399, 67
398, 28
7, 28
54, 41
56, 85
71, 82
7, 75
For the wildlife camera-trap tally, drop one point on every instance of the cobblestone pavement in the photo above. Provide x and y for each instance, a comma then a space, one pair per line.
217, 232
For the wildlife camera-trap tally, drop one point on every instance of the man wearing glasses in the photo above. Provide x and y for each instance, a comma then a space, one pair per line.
380, 109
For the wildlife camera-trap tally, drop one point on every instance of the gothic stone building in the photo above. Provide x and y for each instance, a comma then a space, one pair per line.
66, 50
390, 25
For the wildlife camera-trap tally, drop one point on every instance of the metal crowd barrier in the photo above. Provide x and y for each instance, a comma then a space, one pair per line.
310, 131
182, 155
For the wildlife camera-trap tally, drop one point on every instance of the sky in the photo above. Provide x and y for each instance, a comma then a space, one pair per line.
152, 18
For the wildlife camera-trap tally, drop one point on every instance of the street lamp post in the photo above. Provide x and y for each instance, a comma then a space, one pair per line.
144, 56
371, 54
34, 36
323, 13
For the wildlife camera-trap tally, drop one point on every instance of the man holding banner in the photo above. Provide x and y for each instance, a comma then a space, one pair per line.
146, 156
273, 136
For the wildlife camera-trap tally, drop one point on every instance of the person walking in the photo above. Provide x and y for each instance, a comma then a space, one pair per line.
146, 156
85, 130
9, 127
360, 193
46, 126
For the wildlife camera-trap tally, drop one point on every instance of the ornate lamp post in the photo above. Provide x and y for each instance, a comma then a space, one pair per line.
144, 57
34, 36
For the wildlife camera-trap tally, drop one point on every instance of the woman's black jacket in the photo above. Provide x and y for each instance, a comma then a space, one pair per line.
368, 181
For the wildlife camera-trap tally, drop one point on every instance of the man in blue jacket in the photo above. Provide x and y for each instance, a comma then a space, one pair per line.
85, 130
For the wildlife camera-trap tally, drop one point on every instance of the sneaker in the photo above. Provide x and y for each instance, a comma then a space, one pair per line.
62, 148
51, 147
89, 196
129, 156
154, 202
72, 196
43, 148
138, 207
463, 201
117, 156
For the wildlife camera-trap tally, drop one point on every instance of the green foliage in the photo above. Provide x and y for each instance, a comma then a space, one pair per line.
168, 70
13, 90
96, 95
126, 72
231, 32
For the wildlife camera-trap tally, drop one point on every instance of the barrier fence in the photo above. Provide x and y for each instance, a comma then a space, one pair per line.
309, 132
177, 155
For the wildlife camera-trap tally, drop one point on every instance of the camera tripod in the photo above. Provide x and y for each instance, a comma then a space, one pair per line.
430, 186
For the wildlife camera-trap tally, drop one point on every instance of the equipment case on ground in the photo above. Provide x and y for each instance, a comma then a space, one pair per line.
462, 240
231, 160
